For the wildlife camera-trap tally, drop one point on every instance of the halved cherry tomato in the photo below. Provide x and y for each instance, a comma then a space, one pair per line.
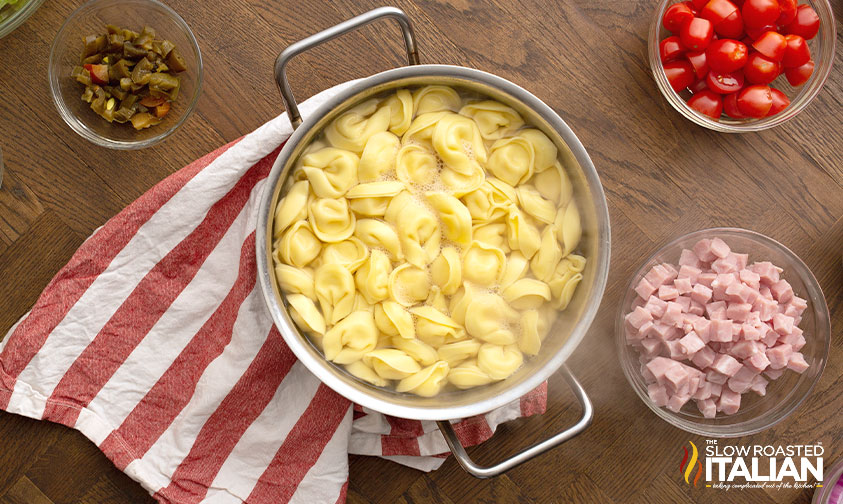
707, 102
780, 102
806, 24
738, 3
691, 6
680, 74
771, 44
99, 73
731, 27
676, 16
670, 48
697, 34
799, 75
725, 83
755, 101
796, 53
717, 10
788, 8
699, 4
730, 106
756, 31
698, 86
698, 61
726, 55
760, 12
760, 70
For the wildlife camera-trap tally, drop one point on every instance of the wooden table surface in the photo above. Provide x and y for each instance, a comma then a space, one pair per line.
587, 59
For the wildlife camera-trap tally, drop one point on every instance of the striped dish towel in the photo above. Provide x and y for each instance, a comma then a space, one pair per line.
155, 343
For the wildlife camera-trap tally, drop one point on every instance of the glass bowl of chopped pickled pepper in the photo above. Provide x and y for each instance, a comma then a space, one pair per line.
125, 74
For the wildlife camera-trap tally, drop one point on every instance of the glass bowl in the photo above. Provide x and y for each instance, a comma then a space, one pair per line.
783, 395
17, 18
133, 14
822, 52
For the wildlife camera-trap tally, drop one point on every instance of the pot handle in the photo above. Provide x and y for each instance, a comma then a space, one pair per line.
333, 32
533, 451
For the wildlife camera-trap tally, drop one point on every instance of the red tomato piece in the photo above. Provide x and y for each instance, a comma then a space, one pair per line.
698, 62
680, 74
780, 102
760, 70
799, 75
670, 48
796, 53
756, 31
725, 83
676, 16
697, 34
708, 103
726, 55
99, 73
699, 4
771, 44
806, 24
760, 12
698, 86
717, 10
755, 101
730, 106
788, 8
731, 27
691, 6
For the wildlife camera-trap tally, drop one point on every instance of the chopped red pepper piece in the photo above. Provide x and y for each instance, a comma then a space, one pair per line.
99, 73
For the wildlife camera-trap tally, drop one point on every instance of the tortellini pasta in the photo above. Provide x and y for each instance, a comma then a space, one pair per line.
427, 239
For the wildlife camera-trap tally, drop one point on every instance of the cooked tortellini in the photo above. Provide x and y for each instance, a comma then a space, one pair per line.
426, 239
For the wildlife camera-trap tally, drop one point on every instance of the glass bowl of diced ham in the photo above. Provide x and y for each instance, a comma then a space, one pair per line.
723, 332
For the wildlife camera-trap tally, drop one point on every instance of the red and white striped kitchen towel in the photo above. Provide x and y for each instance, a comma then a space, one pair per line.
155, 343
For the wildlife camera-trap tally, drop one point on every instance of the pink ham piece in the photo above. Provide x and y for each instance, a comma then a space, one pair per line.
691, 343
689, 272
759, 385
677, 401
737, 311
728, 264
719, 248
706, 278
757, 362
660, 274
704, 357
673, 314
768, 273
779, 355
797, 363
782, 291
750, 278
701, 294
655, 306
729, 402
683, 286
742, 380
657, 394
645, 289
638, 317
688, 258
726, 364
720, 330
668, 292
707, 407
782, 324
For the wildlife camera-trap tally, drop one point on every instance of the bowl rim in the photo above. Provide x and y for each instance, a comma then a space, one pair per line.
74, 122
18, 18
319, 366
712, 430
822, 71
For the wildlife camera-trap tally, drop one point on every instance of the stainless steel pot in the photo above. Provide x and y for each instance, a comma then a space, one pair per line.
570, 327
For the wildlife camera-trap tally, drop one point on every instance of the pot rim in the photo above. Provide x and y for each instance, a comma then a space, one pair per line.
321, 367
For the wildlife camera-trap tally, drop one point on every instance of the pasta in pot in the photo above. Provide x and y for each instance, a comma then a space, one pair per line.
427, 239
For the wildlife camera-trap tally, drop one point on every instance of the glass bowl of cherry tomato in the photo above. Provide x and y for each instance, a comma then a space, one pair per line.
741, 65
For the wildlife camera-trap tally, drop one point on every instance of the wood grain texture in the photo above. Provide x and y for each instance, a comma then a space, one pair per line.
663, 177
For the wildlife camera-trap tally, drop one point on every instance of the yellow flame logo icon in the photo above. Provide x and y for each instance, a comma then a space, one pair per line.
686, 470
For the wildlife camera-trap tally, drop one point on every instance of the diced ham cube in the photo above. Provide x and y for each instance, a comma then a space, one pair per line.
657, 394
773, 374
719, 248
683, 285
689, 258
767, 271
726, 364
638, 317
702, 249
729, 402
759, 385
652, 347
645, 289
797, 363
750, 333
799, 303
782, 324
676, 402
779, 355
736, 331
720, 284
795, 339
742, 380
675, 379
672, 314
716, 389
764, 291
668, 292
696, 308
706, 279
703, 358
676, 351
689, 272
750, 278
716, 310
728, 264
714, 376
655, 306
765, 308
782, 291
738, 311
701, 294
746, 349
720, 331
685, 303
740, 293
648, 376
660, 274
753, 318
659, 366
665, 332
645, 330
691, 343
741, 260
757, 362
702, 327
791, 312
703, 391
707, 407
770, 337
